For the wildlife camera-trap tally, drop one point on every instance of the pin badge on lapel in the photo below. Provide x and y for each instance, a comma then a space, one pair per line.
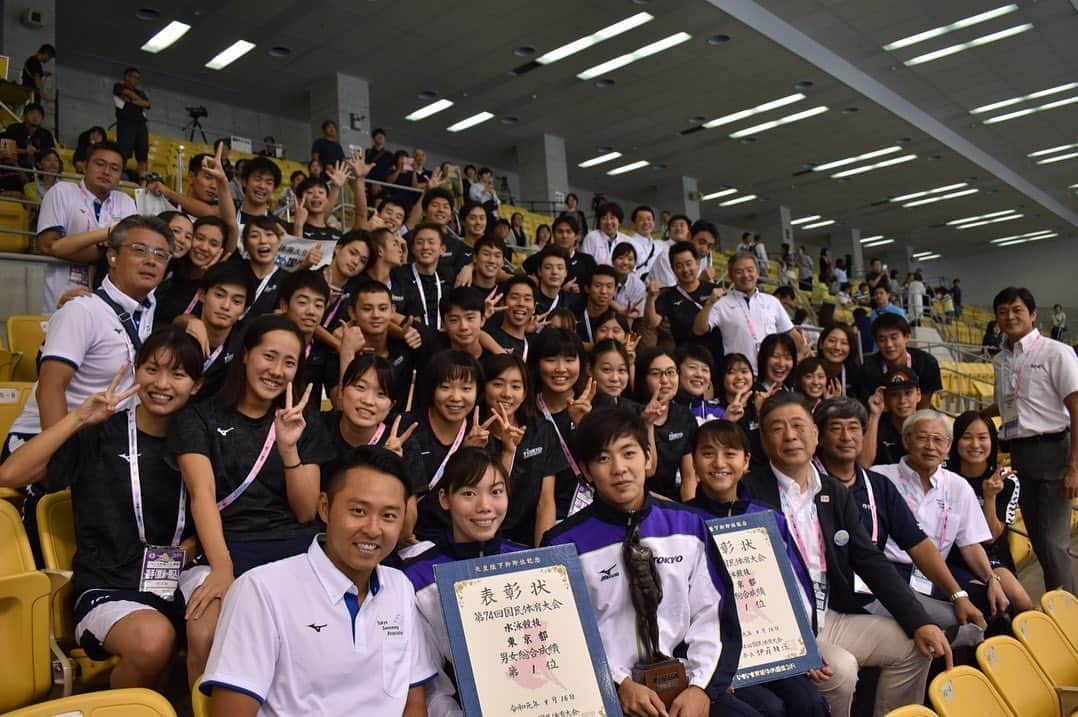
841, 538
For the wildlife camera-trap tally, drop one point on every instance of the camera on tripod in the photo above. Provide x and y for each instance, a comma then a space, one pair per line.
196, 112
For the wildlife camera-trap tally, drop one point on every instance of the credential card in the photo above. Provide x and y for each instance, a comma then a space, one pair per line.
776, 633
524, 637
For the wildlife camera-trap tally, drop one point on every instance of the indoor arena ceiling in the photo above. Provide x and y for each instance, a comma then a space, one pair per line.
917, 108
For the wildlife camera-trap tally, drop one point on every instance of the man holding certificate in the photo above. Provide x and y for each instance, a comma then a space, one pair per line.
652, 571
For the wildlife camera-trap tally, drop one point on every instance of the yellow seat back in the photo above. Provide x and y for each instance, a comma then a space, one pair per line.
1017, 677
130, 702
1049, 647
965, 692
25, 334
912, 711
24, 617
56, 531
200, 703
13, 396
1062, 607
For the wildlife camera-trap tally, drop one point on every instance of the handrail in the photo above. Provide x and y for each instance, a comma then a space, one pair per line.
61, 175
30, 258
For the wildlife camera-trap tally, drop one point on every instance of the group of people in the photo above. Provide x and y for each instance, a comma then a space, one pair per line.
246, 444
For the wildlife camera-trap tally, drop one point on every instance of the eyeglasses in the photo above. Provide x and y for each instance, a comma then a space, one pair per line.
142, 251
922, 439
668, 373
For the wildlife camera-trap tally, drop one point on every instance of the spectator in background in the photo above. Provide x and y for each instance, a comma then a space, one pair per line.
1059, 321
382, 159
760, 250
827, 266
993, 338
30, 137
572, 208
956, 293
516, 225
839, 273
286, 203
483, 192
92, 136
881, 298
326, 149
664, 224
235, 185
542, 235
420, 174
270, 146
131, 132
33, 71
863, 326
948, 306
788, 298
787, 265
917, 291
804, 269
503, 230
47, 161
470, 177
12, 181
877, 274
745, 246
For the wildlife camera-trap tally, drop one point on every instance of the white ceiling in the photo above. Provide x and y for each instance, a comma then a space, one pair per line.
464, 50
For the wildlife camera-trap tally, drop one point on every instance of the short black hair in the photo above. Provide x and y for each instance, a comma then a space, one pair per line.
780, 399
365, 362
374, 458
462, 297
449, 365
696, 352
603, 270
609, 208
642, 208
216, 222
468, 206
194, 165
313, 280
787, 291
492, 242
229, 273
567, 219
485, 170
680, 217
723, 432
1012, 294
466, 468
262, 164
32, 107
310, 183
519, 280
888, 322
377, 131
372, 287
437, 193
181, 346
129, 69
327, 123
428, 226
681, 247
604, 425
554, 250
47, 50
703, 225
622, 249
106, 146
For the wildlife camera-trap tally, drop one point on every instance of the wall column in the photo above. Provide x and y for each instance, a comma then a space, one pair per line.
346, 100
544, 173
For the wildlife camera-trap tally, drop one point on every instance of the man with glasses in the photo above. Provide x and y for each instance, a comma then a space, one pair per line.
75, 219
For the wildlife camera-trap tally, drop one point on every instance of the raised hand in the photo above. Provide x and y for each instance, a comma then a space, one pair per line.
735, 410
537, 323
394, 441
631, 342
464, 276
633, 310
412, 337
314, 256
875, 402
214, 165
338, 173
196, 329
762, 396
653, 287
436, 178
360, 168
98, 407
834, 388
656, 407
302, 213
581, 405
479, 436
717, 293
571, 286
491, 306
512, 434
993, 485
289, 421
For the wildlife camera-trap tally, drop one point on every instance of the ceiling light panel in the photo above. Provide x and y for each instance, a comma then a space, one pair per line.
882, 242
166, 37
976, 42
930, 257
920, 254
944, 29
1028, 235
942, 197
805, 220
1032, 110
817, 225
874, 237
788, 119
927, 192
758, 109
720, 193
990, 221
583, 43
878, 165
978, 218
1024, 98
1052, 150
230, 54
737, 200
432, 109
600, 159
859, 158
472, 121
638, 54
632, 166
1057, 158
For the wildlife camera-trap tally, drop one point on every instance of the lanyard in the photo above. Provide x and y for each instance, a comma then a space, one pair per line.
909, 364
262, 285
795, 532
191, 306
564, 448
684, 293
554, 304
587, 324
743, 305
913, 501
136, 486
377, 435
452, 449
259, 462
213, 357
1020, 367
644, 263
126, 320
333, 312
423, 298
525, 357
871, 504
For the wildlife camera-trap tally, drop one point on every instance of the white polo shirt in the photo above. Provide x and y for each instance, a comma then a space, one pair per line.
745, 320
647, 253
1034, 376
662, 272
87, 335
286, 638
949, 513
600, 246
70, 208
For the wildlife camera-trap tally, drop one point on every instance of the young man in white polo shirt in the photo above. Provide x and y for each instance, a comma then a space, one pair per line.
600, 243
71, 213
1036, 393
329, 632
745, 315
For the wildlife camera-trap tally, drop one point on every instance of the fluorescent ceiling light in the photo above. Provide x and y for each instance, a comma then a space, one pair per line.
976, 42
930, 257
233, 52
166, 37
878, 165
720, 193
600, 159
738, 200
1028, 235
470, 121
859, 158
1057, 158
583, 43
1038, 237
638, 54
944, 29
432, 109
1031, 110
920, 254
932, 200
963, 220
779, 122
1007, 218
925, 193
817, 225
874, 237
629, 167
1052, 150
1015, 100
881, 242
773, 104
804, 220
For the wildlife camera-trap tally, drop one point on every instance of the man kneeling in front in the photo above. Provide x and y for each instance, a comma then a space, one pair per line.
330, 632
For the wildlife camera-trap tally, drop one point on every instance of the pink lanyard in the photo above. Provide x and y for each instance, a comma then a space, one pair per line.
564, 448
261, 461
452, 449
909, 364
748, 318
795, 533
213, 357
1021, 366
684, 293
377, 435
912, 501
191, 306
333, 312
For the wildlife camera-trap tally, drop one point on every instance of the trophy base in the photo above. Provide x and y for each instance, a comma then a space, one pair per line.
666, 678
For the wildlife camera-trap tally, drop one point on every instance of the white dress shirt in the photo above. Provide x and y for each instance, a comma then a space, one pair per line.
745, 320
804, 522
600, 246
1033, 377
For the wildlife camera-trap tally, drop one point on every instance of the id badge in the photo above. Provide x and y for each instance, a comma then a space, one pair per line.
819, 591
161, 567
920, 583
860, 586
1008, 412
582, 497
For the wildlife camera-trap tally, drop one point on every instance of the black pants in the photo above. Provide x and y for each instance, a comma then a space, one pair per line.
133, 136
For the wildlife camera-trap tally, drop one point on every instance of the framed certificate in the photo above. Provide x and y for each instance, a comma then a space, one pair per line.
524, 637
776, 633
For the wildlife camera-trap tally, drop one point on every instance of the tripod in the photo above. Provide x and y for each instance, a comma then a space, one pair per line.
190, 128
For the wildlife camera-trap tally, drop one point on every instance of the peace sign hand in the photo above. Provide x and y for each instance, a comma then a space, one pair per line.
633, 310
479, 436
631, 342
395, 442
762, 396
302, 213
289, 421
537, 323
656, 407
735, 410
214, 165
491, 306
98, 407
512, 434
581, 405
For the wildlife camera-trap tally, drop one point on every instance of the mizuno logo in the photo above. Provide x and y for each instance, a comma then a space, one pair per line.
127, 457
609, 573
226, 431
316, 628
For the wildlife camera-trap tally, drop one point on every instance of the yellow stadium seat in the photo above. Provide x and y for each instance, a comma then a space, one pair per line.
13, 396
8, 359
912, 711
1049, 647
963, 692
56, 531
1062, 607
1020, 547
131, 702
1017, 677
25, 334
24, 617
200, 703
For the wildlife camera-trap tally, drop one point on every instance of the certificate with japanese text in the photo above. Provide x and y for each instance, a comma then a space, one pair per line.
523, 636
776, 634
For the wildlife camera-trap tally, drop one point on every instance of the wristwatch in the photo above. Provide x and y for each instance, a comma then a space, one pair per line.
955, 597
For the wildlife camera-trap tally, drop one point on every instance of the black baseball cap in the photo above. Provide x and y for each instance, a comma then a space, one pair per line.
903, 378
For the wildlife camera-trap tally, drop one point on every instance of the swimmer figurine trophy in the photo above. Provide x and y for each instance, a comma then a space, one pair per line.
665, 675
